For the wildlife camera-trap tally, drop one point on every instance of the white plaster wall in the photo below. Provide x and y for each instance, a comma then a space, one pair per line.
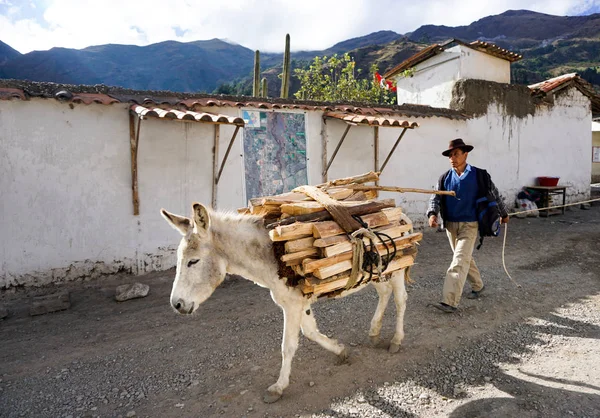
481, 66
432, 81
66, 208
65, 179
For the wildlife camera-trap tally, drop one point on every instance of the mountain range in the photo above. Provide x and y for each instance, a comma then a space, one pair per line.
550, 45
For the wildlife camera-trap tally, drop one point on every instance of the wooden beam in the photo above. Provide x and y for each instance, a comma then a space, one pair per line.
393, 149
134, 139
336, 150
237, 128
324, 138
376, 153
215, 165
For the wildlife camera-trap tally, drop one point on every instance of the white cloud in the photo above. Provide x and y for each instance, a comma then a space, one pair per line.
256, 24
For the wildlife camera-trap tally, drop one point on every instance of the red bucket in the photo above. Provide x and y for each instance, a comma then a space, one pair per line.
548, 181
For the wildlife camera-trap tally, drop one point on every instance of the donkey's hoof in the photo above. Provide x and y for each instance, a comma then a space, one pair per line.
271, 397
343, 357
394, 348
374, 340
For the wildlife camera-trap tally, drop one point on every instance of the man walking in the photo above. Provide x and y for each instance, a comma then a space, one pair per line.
459, 217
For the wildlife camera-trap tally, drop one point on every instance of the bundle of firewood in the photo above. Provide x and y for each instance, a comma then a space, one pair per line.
310, 243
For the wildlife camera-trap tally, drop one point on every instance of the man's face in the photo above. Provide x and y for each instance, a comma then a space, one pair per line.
458, 158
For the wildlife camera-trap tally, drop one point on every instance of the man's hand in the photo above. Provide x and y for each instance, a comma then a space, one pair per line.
504, 220
433, 221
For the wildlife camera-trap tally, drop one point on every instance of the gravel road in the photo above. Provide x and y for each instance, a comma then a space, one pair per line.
526, 352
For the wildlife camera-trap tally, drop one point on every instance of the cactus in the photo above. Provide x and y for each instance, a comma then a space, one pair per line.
263, 88
285, 79
256, 84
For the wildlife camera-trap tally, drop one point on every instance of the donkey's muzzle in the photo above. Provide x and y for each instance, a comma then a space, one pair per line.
180, 306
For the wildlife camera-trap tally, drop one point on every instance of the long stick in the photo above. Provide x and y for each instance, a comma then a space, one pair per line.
399, 189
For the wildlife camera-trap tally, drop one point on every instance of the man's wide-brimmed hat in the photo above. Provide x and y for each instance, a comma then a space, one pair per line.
457, 143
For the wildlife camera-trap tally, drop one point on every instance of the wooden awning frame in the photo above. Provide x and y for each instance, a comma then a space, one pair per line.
376, 123
141, 112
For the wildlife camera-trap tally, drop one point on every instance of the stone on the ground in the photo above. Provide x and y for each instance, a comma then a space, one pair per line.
41, 305
131, 291
585, 206
3, 312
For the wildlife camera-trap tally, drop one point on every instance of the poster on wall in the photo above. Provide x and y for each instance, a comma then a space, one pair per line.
596, 154
274, 153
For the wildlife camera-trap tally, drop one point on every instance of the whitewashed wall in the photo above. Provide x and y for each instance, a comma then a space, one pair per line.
65, 179
433, 80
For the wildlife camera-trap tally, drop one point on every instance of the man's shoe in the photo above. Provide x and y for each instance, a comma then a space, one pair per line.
475, 294
444, 307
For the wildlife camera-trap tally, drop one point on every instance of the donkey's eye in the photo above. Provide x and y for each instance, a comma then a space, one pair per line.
192, 262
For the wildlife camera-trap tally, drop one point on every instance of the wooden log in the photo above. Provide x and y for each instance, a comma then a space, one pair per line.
299, 244
301, 208
331, 228
326, 242
298, 256
394, 231
311, 265
404, 243
361, 178
338, 212
291, 197
328, 271
393, 214
362, 209
398, 189
293, 231
400, 241
317, 287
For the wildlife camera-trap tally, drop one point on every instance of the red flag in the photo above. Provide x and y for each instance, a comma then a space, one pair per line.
385, 84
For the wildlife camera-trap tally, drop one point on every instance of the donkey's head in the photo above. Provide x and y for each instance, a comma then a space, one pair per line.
201, 267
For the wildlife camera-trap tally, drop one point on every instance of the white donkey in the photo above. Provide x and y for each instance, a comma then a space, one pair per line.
214, 244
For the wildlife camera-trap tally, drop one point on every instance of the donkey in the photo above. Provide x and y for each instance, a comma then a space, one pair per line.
216, 243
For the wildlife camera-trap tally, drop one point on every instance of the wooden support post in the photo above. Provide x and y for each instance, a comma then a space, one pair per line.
376, 152
336, 150
237, 128
134, 139
324, 138
393, 149
215, 165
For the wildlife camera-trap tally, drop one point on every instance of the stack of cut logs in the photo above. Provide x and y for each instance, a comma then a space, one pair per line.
318, 248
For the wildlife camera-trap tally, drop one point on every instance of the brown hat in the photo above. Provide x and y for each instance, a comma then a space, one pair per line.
457, 143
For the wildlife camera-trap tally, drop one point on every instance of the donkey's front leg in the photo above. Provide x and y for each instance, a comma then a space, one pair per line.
400, 297
291, 333
311, 331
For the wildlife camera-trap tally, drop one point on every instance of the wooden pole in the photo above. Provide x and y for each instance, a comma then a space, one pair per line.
376, 152
237, 128
336, 150
324, 138
393, 149
134, 139
215, 165
398, 189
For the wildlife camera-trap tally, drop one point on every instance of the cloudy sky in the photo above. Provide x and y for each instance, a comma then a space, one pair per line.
29, 25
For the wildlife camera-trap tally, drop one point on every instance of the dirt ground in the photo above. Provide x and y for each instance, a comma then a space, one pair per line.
527, 352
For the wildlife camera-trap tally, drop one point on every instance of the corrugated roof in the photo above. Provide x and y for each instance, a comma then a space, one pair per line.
435, 49
187, 115
377, 120
99, 94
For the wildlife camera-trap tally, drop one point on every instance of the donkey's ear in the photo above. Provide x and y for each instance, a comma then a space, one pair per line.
180, 223
201, 217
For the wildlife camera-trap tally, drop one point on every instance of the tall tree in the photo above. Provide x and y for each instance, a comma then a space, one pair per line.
335, 79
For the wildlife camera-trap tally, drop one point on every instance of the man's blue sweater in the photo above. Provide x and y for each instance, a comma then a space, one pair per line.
462, 208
